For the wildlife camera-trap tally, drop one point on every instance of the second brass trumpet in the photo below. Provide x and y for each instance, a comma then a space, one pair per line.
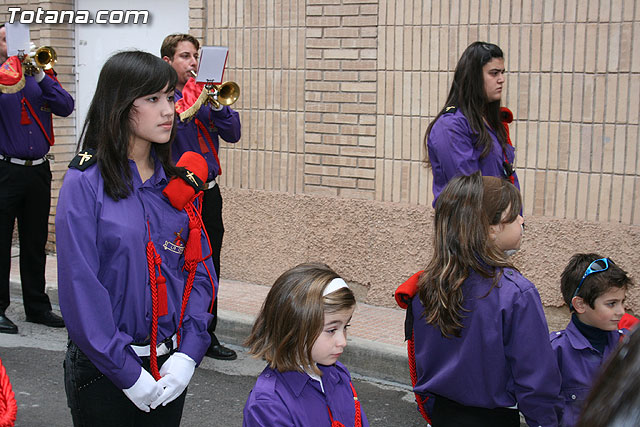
226, 93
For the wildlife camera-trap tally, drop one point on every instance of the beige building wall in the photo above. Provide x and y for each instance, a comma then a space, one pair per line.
337, 94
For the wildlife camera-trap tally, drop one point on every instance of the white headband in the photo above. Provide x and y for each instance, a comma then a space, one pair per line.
334, 285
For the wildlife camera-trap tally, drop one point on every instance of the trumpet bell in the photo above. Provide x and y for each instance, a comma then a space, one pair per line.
228, 93
46, 57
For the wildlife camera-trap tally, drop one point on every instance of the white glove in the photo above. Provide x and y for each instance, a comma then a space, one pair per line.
39, 75
176, 374
143, 391
213, 104
32, 50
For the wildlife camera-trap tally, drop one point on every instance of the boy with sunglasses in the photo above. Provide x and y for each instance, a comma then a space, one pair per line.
594, 288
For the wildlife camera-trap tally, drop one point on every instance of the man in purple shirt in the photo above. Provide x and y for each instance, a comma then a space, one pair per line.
25, 187
200, 134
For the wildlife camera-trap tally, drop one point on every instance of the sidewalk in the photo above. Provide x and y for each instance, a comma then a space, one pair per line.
376, 337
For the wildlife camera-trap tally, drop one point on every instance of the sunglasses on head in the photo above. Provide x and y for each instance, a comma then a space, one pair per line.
596, 266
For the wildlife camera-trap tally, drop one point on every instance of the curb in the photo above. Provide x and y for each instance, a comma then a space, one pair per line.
363, 357
376, 361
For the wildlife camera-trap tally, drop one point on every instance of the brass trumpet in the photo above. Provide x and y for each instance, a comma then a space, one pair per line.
46, 57
226, 93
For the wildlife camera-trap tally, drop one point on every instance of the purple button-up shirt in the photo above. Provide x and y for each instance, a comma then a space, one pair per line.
27, 141
453, 151
224, 123
295, 399
103, 275
503, 356
579, 365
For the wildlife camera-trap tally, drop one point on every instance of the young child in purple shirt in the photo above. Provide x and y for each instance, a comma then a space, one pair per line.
594, 288
301, 332
480, 335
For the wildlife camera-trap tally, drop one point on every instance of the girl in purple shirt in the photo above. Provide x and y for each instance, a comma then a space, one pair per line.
301, 332
136, 327
468, 134
481, 338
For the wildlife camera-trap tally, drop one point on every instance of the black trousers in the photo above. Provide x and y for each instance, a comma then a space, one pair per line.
447, 413
212, 219
96, 402
25, 195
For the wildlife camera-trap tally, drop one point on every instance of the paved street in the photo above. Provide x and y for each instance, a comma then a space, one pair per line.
217, 393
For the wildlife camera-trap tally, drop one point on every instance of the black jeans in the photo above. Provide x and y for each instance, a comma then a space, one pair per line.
96, 402
447, 413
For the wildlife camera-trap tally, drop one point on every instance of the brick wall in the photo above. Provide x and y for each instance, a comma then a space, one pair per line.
337, 95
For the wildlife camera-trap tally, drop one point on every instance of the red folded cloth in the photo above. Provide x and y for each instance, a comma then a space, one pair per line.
11, 76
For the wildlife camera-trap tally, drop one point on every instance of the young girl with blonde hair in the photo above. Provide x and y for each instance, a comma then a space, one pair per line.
301, 332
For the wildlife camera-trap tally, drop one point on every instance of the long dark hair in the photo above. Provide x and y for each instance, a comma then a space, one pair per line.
466, 208
614, 399
467, 93
125, 77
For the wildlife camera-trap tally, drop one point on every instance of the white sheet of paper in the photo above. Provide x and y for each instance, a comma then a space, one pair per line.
212, 62
17, 38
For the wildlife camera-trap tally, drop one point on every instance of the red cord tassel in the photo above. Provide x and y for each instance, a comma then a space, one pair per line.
8, 405
24, 116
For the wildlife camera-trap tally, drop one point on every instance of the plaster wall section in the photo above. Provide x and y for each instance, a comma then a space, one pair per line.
377, 245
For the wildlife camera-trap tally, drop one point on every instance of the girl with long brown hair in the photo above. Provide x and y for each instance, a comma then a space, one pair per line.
481, 339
